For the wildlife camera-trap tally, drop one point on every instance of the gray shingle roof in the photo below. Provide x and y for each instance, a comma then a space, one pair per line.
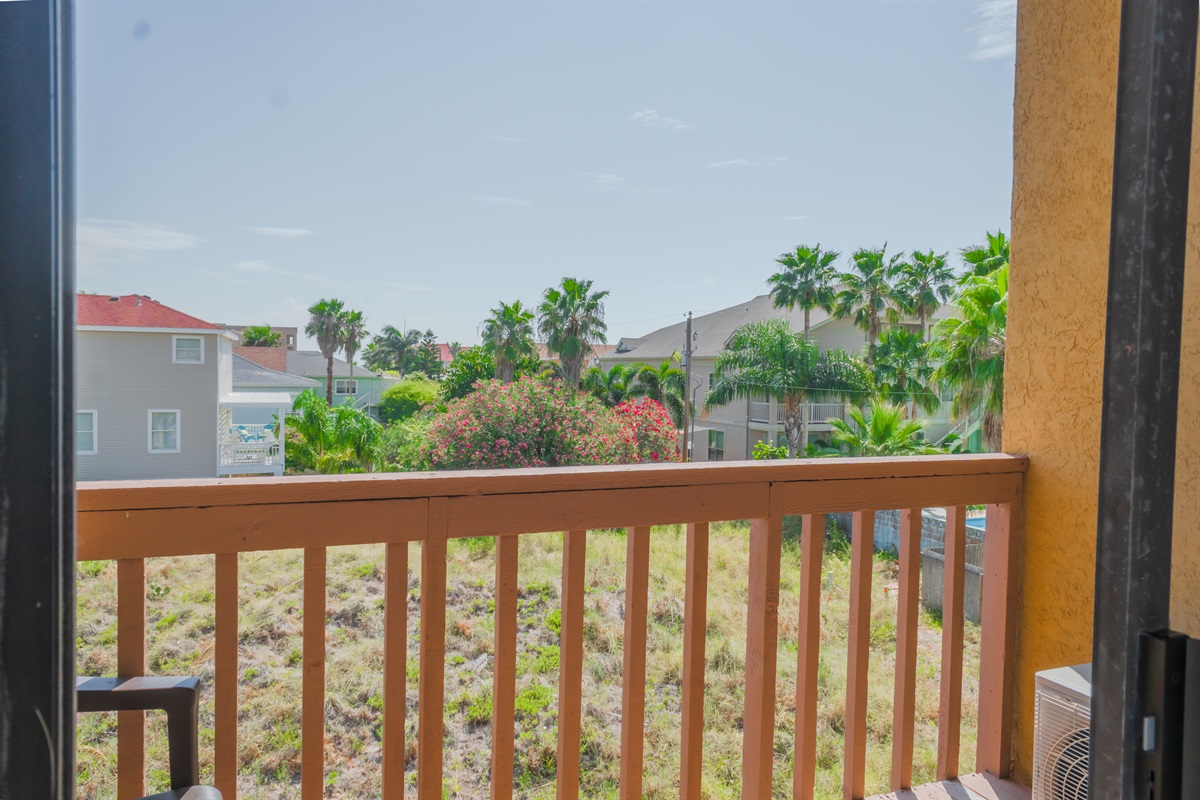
247, 373
710, 331
312, 363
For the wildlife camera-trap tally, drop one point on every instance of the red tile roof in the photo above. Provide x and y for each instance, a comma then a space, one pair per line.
133, 311
270, 357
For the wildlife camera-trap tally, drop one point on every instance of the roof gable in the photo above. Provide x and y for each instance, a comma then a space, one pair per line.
133, 311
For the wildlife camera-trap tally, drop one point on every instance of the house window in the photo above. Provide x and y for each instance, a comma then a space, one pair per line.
85, 432
345, 387
716, 445
164, 431
188, 350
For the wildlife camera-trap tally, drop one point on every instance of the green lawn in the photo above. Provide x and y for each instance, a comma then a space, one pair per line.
180, 641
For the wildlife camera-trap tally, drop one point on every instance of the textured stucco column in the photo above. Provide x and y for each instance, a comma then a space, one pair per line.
1063, 156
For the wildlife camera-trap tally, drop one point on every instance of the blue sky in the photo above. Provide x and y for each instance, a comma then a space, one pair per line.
423, 161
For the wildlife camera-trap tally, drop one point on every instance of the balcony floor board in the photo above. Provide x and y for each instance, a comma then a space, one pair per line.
969, 787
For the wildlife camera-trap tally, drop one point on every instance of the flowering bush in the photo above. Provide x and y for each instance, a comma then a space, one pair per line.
653, 431
527, 423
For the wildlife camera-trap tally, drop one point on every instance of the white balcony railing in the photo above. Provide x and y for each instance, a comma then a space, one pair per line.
249, 449
818, 413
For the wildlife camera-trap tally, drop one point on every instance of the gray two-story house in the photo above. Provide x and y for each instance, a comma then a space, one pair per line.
154, 396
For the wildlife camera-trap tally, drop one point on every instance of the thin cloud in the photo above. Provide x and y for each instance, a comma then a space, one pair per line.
799, 216
100, 242
282, 233
498, 137
769, 161
996, 31
290, 310
411, 287
260, 267
499, 200
650, 117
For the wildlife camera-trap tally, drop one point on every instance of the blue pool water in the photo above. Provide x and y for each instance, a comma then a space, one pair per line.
977, 522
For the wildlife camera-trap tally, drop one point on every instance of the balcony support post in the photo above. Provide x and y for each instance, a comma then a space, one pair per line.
1155, 81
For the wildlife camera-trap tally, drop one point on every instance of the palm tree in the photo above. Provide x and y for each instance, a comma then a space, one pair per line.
868, 296
260, 336
612, 387
806, 280
985, 259
325, 322
769, 358
884, 433
332, 440
971, 349
354, 330
571, 318
903, 371
391, 350
508, 337
665, 384
927, 281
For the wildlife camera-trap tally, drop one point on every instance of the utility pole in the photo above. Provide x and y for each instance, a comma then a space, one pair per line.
687, 390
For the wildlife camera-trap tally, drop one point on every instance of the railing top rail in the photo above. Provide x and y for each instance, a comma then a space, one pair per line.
208, 492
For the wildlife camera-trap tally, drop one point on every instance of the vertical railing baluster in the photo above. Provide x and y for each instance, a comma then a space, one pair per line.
907, 608
395, 667
695, 626
997, 656
812, 554
431, 705
570, 668
225, 679
312, 712
950, 716
762, 644
858, 654
504, 667
131, 663
633, 676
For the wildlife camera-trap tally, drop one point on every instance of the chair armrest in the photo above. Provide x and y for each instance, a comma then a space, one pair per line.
179, 697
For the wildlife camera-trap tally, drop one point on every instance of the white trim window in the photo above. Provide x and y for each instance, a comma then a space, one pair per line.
345, 386
87, 439
163, 435
716, 445
187, 349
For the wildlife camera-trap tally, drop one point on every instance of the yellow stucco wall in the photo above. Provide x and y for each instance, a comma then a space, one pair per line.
1063, 143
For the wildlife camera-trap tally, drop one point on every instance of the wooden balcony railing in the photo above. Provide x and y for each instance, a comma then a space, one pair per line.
132, 521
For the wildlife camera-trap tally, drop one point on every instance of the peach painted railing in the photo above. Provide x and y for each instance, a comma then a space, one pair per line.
132, 521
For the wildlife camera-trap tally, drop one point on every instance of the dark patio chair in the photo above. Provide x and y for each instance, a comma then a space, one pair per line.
180, 698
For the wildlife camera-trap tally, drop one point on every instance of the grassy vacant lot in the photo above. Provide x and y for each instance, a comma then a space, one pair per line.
180, 641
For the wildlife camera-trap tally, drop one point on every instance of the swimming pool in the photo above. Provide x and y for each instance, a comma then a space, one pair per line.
977, 522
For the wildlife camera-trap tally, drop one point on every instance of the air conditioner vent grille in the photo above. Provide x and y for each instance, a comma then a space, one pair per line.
1060, 757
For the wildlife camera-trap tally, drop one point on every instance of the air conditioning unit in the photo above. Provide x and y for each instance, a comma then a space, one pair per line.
1062, 716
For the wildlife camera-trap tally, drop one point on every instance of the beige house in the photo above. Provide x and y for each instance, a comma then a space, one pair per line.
730, 432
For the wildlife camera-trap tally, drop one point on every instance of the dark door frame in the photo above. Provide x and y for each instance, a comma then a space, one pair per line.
1155, 81
37, 327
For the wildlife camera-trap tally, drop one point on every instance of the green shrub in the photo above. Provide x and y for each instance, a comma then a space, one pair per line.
406, 398
554, 621
404, 443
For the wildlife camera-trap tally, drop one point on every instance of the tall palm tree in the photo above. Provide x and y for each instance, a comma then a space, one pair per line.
391, 350
903, 371
260, 336
884, 433
971, 349
354, 330
806, 280
867, 294
325, 320
927, 281
508, 337
611, 387
987, 258
769, 358
571, 317
665, 384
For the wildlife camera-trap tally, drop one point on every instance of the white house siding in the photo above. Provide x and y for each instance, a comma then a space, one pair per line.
122, 376
224, 366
